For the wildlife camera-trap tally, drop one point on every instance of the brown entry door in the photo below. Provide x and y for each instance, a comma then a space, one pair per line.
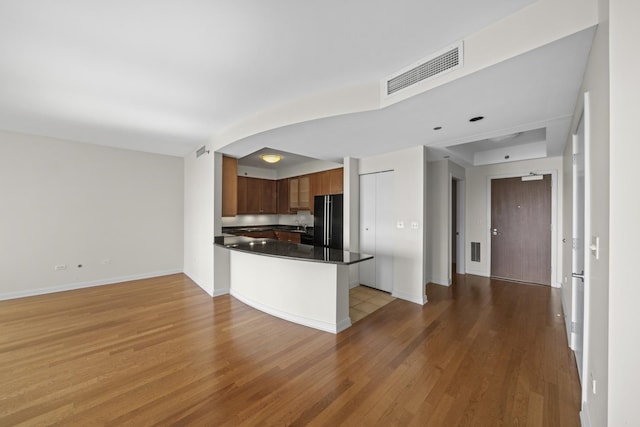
521, 229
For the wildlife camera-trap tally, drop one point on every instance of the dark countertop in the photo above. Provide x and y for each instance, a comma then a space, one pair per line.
293, 228
280, 249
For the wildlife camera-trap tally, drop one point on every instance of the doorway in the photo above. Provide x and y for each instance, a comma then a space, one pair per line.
454, 226
521, 229
456, 237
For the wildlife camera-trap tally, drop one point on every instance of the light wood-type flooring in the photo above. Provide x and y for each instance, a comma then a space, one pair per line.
364, 300
162, 352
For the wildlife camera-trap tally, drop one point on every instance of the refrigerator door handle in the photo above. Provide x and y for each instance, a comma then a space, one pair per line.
327, 222
329, 219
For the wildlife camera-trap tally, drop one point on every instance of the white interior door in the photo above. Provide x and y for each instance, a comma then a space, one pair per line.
367, 229
384, 231
376, 230
578, 259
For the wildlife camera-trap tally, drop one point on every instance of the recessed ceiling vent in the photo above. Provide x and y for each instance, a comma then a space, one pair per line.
446, 60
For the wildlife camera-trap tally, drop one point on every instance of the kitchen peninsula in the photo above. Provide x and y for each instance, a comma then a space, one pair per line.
305, 284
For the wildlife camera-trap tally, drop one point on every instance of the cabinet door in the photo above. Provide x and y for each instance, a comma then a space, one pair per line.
287, 236
294, 201
267, 197
304, 193
283, 196
229, 186
242, 195
254, 189
336, 181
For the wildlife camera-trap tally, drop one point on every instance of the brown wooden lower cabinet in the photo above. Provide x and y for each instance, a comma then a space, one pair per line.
288, 236
267, 234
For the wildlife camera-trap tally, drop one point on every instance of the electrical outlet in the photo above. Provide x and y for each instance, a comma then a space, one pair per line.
415, 225
59, 267
105, 261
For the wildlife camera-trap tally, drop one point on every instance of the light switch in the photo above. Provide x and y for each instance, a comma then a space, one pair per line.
400, 224
415, 225
595, 246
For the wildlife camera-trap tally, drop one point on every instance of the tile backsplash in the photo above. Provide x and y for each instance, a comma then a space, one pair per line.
302, 217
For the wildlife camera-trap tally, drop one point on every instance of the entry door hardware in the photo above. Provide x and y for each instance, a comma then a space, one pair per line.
578, 276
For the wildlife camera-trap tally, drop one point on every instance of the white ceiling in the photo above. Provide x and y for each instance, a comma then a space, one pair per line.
535, 90
288, 159
165, 76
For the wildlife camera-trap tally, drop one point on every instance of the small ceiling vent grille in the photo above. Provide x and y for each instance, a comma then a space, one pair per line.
447, 60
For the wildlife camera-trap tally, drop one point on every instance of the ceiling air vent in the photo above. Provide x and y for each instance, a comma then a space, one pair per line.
201, 151
446, 60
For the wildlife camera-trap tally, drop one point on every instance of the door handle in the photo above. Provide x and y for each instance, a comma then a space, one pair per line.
578, 275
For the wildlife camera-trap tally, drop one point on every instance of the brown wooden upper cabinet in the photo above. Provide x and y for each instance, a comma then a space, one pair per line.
299, 193
256, 196
328, 182
265, 196
229, 186
283, 196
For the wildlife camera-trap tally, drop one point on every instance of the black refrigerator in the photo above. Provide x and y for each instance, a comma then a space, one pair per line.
327, 221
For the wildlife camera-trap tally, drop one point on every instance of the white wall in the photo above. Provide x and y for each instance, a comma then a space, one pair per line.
351, 219
199, 219
409, 200
477, 220
118, 213
624, 292
438, 189
439, 213
596, 82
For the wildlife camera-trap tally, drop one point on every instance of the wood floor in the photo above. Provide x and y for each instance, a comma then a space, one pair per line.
161, 351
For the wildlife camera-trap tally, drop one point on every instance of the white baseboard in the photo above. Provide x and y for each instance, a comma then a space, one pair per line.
198, 282
585, 420
477, 272
567, 319
556, 284
410, 297
304, 321
442, 281
81, 285
219, 292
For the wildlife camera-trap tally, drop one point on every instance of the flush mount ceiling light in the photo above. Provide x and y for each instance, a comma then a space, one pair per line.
271, 158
